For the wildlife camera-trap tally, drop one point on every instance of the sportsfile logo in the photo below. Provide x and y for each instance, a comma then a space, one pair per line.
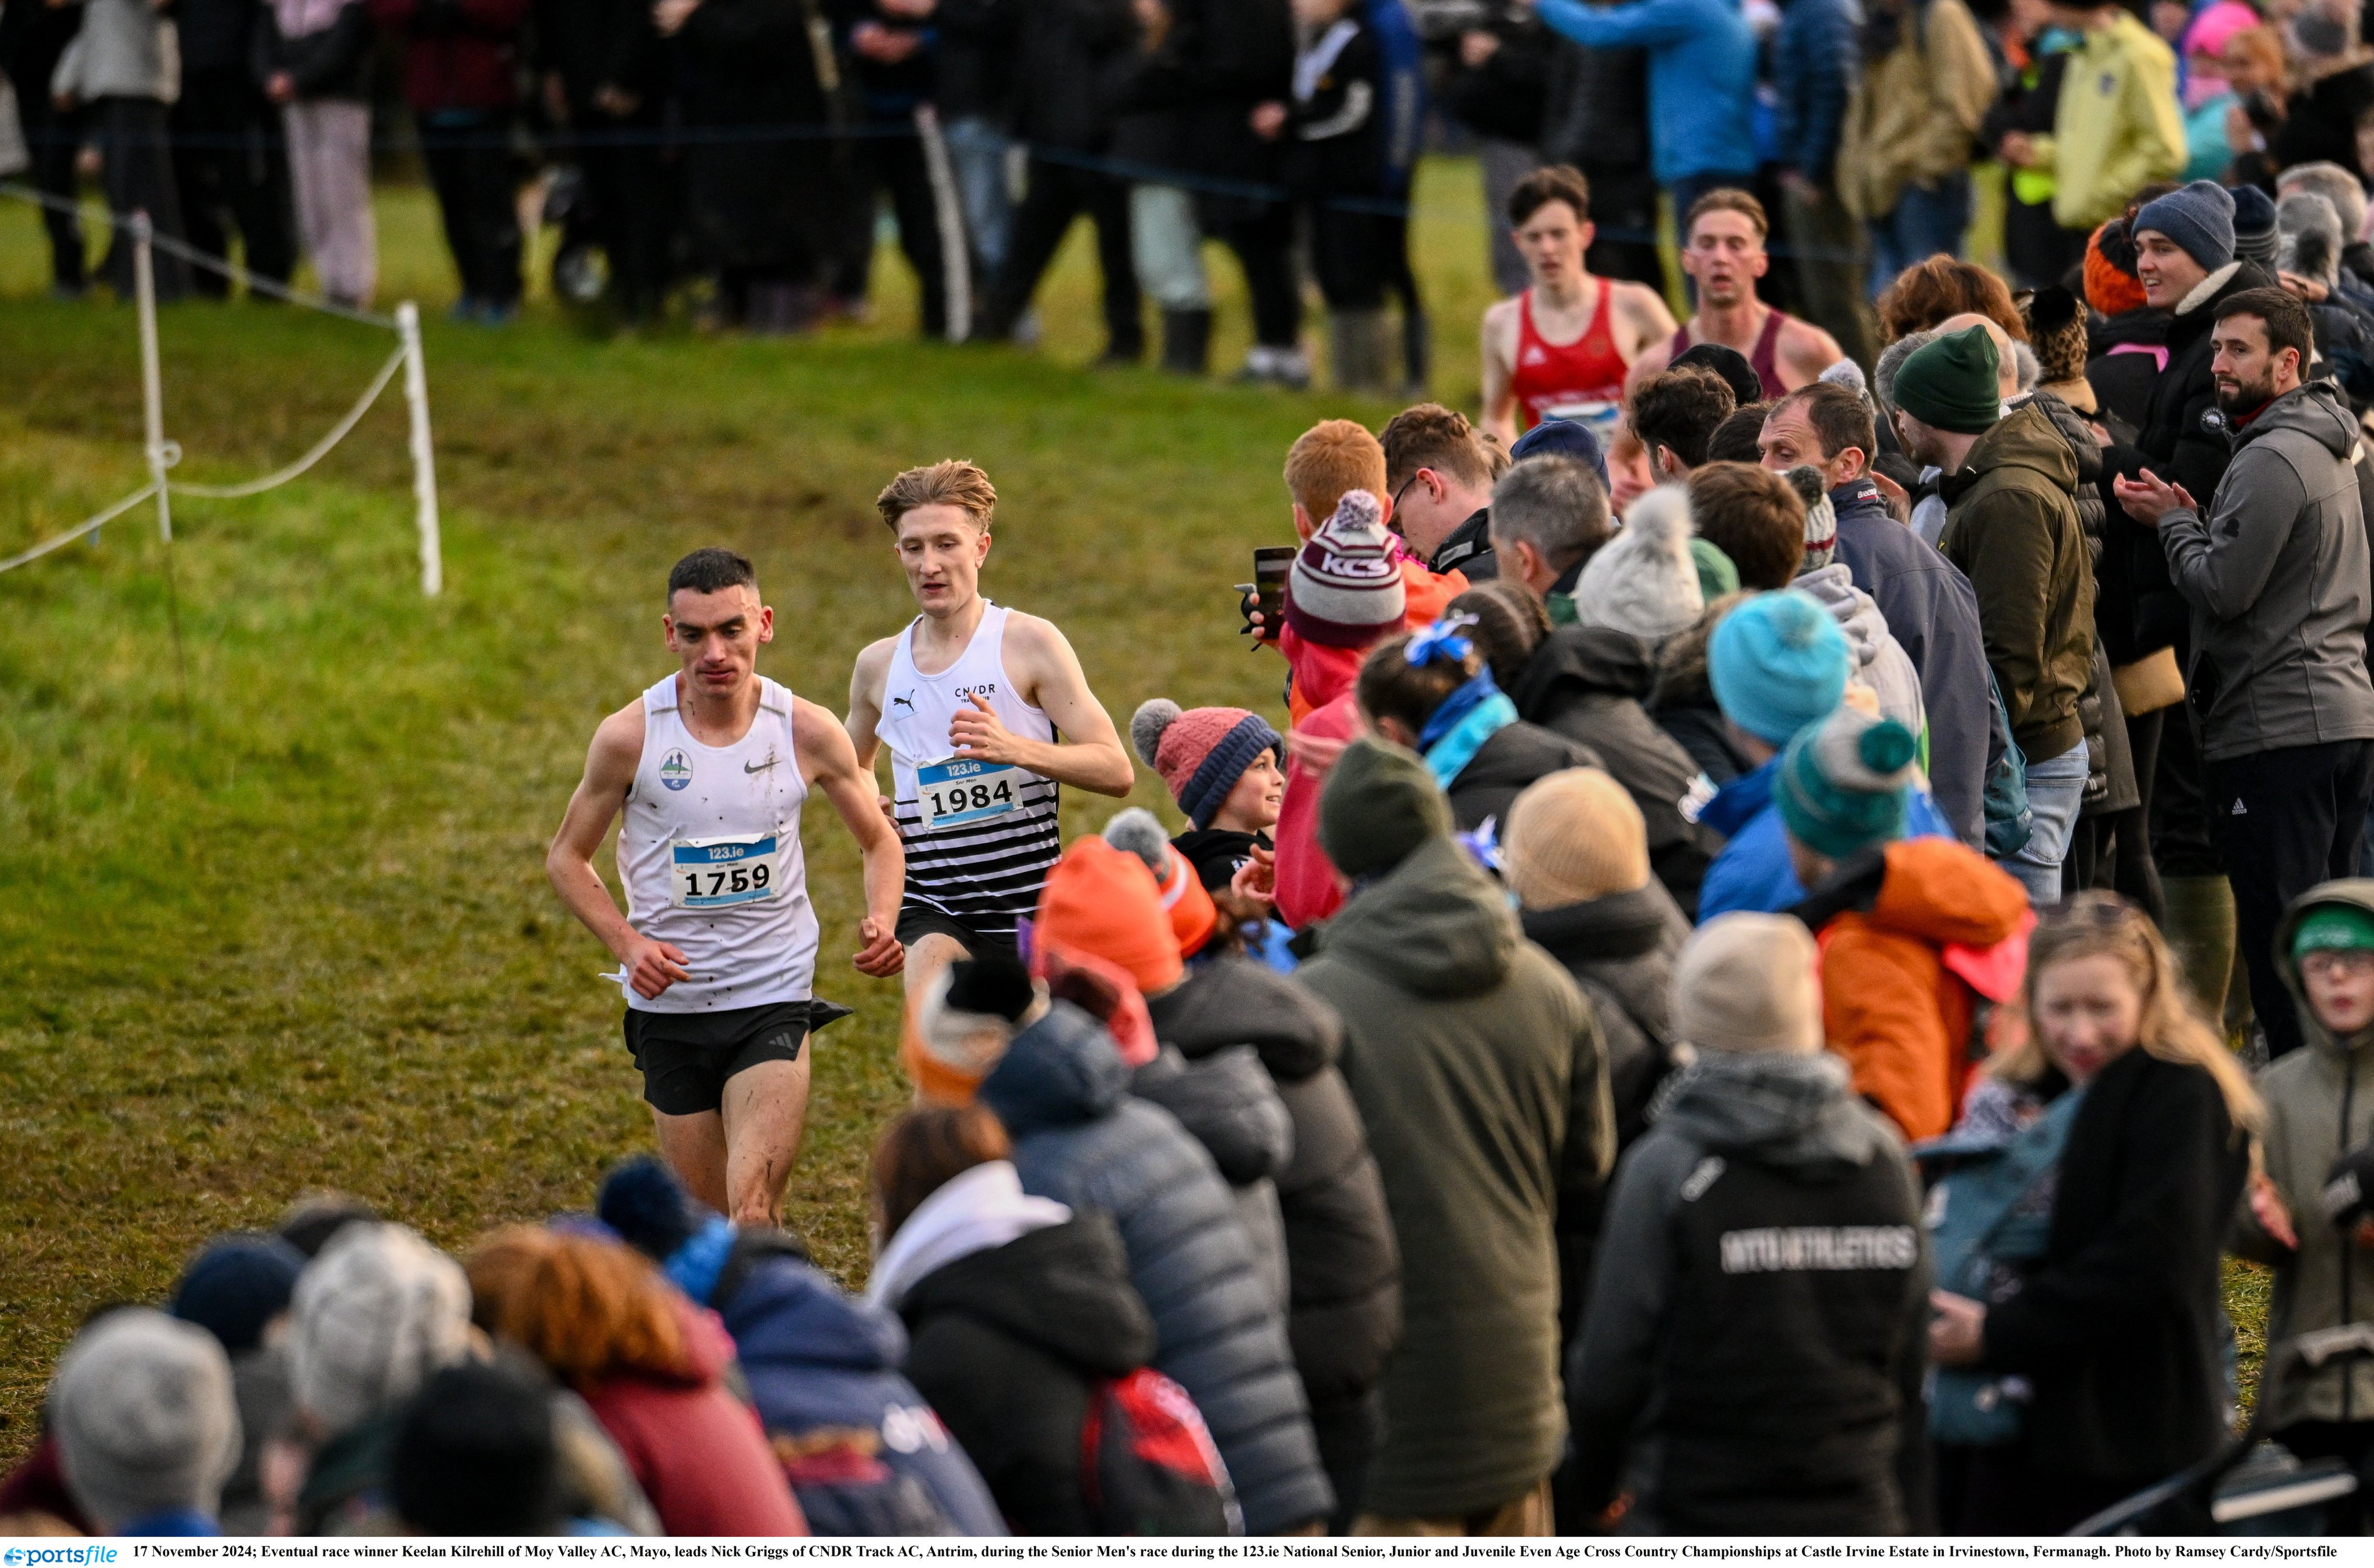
29, 1556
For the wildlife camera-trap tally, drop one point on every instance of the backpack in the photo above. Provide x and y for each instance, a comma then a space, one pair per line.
1147, 1464
1989, 1218
2010, 824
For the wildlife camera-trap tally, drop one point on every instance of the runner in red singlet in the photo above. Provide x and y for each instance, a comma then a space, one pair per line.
1722, 250
1567, 341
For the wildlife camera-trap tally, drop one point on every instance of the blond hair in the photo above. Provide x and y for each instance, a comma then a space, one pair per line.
2103, 925
1330, 461
951, 482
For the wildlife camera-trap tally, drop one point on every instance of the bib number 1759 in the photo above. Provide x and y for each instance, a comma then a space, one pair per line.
714, 873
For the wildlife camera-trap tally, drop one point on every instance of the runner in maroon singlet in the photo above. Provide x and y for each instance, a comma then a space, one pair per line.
1724, 254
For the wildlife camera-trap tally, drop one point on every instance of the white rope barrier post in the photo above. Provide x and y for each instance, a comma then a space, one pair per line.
152, 379
152, 411
424, 453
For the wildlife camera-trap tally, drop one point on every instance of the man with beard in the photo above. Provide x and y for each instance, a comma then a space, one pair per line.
1722, 250
2276, 578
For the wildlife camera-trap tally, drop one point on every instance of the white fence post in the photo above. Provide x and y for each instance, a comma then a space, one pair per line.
423, 454
152, 380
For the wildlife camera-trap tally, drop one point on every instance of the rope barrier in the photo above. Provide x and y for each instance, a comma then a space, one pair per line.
280, 476
197, 258
163, 454
87, 525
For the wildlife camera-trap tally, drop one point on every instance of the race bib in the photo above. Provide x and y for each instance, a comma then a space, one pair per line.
713, 873
961, 790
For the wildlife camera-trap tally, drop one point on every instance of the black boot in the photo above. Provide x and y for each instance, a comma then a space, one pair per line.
1187, 341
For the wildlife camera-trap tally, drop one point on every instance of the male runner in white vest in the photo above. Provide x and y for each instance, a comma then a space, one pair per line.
717, 948
986, 712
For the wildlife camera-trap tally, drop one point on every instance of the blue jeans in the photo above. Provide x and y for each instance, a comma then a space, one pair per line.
2056, 786
1926, 220
977, 150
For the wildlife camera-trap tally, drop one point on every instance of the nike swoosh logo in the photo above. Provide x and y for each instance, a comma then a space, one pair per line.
758, 768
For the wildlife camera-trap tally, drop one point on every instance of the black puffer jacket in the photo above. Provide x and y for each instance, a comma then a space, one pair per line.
2172, 437
1588, 683
1502, 766
1228, 1102
1620, 949
1344, 1267
1006, 1344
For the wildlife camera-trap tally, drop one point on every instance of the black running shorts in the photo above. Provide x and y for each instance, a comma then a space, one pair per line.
687, 1057
916, 921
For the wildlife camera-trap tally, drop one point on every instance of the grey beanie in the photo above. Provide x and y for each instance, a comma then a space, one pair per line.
377, 1312
1745, 982
2199, 218
1644, 580
145, 1418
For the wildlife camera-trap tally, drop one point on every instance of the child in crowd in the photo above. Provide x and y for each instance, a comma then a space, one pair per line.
2308, 1212
1353, 585
1225, 768
1913, 932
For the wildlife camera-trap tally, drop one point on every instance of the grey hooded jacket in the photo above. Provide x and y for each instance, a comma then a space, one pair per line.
2320, 1107
1881, 662
2276, 578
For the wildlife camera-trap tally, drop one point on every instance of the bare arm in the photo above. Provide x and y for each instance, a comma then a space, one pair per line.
1500, 372
830, 763
1808, 351
1090, 758
1652, 361
1652, 325
652, 966
865, 682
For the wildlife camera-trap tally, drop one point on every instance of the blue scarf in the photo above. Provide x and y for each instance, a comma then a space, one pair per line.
696, 1265
1458, 729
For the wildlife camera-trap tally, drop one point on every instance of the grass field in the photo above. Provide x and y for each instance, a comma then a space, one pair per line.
297, 935
300, 936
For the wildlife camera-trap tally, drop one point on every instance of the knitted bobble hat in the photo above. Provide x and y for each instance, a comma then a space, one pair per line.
1843, 783
1778, 664
1573, 837
1200, 752
1644, 580
374, 1316
2112, 286
1345, 588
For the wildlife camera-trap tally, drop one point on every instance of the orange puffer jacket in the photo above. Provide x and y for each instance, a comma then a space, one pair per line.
1901, 980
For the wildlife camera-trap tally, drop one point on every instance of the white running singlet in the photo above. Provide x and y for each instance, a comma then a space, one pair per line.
709, 852
980, 836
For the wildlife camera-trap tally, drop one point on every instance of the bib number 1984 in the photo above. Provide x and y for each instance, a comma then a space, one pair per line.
958, 790
715, 874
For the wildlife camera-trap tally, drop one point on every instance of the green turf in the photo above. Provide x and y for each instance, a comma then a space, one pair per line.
298, 934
